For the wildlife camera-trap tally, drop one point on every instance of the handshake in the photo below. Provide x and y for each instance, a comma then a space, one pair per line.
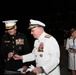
17, 57
14, 55
11, 55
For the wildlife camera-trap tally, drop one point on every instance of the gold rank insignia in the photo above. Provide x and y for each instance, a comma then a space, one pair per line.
41, 47
47, 36
41, 55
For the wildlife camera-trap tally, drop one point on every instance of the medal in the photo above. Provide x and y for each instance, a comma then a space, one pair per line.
41, 55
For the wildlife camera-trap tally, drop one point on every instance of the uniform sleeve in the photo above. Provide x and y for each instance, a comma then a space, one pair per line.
67, 44
54, 54
29, 57
3, 49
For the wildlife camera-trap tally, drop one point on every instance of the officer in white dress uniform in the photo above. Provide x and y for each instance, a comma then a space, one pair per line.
46, 51
71, 47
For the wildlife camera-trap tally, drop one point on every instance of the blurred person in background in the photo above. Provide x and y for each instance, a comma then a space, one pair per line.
71, 48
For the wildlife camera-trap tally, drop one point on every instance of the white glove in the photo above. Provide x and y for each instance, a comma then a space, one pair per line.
31, 67
21, 70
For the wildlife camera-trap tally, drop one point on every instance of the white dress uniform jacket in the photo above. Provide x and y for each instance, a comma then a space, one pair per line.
46, 52
72, 56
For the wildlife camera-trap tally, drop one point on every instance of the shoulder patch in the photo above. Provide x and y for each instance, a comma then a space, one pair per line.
47, 36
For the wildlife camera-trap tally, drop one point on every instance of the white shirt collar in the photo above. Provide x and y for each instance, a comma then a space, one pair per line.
42, 35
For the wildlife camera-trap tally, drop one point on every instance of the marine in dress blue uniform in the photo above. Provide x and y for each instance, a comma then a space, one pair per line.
17, 43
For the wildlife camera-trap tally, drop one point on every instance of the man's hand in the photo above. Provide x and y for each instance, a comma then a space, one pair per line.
25, 68
17, 57
10, 54
37, 70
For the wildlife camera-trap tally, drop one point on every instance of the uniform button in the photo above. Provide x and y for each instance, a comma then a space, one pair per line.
6, 45
41, 55
12, 42
14, 51
12, 37
13, 46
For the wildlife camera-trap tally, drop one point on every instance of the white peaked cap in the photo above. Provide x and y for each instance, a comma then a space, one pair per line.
9, 23
37, 22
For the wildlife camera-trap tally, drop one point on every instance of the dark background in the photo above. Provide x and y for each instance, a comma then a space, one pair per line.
58, 15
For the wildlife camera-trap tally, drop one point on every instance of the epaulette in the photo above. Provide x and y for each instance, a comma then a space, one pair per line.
47, 36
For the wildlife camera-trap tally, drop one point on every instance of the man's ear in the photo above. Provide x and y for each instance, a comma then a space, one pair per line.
15, 27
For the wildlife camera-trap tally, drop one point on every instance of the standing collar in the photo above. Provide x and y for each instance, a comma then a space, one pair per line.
42, 35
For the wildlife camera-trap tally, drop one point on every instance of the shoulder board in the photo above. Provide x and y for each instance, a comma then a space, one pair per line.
47, 36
